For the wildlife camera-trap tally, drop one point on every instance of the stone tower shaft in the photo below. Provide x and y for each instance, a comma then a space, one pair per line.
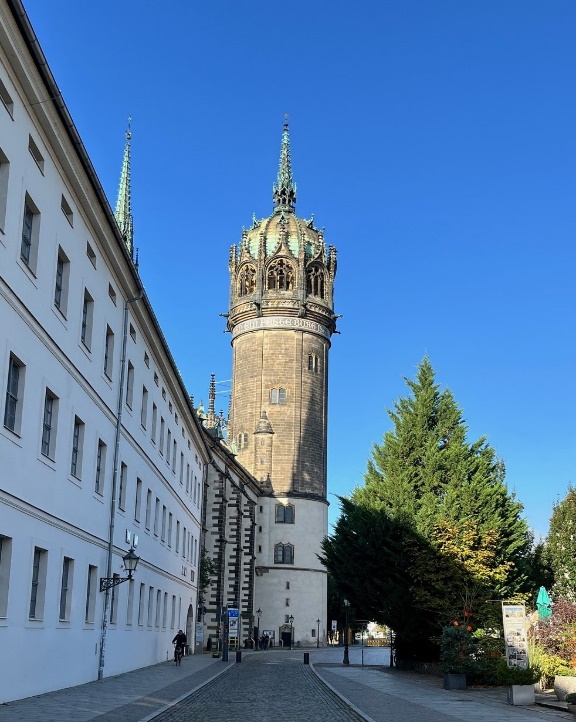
281, 317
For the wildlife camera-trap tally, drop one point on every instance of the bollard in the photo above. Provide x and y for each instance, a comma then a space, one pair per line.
238, 655
306, 657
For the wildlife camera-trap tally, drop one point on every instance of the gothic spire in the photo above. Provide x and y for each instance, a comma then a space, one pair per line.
123, 211
211, 420
284, 190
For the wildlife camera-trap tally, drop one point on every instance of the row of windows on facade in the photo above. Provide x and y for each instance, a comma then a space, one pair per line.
281, 276
152, 606
13, 421
29, 255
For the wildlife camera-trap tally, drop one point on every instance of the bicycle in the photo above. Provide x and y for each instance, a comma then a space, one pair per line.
178, 654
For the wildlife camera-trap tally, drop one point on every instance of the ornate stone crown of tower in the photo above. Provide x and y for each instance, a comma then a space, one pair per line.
281, 317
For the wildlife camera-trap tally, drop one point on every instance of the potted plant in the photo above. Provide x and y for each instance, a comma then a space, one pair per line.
571, 700
456, 648
520, 685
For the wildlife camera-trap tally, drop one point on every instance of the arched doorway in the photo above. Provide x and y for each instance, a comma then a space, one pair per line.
286, 635
190, 630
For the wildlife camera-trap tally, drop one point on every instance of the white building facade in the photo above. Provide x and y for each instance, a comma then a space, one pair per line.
100, 449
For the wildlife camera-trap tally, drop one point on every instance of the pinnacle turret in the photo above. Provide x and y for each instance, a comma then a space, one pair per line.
123, 211
284, 190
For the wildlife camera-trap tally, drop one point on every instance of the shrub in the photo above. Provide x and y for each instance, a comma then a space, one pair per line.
519, 675
456, 650
548, 665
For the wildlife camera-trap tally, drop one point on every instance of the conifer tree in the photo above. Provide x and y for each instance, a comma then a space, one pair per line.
561, 546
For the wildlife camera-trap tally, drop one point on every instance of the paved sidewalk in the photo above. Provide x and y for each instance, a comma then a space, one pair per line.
131, 697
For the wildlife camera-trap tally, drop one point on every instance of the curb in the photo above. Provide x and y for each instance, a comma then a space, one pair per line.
341, 696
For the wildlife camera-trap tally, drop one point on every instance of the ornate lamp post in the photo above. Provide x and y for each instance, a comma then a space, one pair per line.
291, 620
318, 633
346, 659
258, 614
130, 564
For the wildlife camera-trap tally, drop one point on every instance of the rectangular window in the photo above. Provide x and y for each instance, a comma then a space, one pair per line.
130, 385
90, 607
163, 531
100, 467
66, 589
132, 333
146, 360
150, 606
184, 542
170, 529
138, 502
49, 424
173, 613
130, 603
141, 604
4, 172
37, 591
148, 508
181, 468
177, 537
122, 486
5, 563
187, 478
112, 293
67, 211
156, 516
144, 409
90, 253
165, 610
87, 319
114, 601
35, 153
174, 455
109, 352
14, 395
158, 608
77, 446
30, 234
61, 282
6, 100
168, 445
154, 421
161, 442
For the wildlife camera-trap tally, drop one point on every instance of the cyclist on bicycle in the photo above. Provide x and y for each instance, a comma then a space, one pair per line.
180, 642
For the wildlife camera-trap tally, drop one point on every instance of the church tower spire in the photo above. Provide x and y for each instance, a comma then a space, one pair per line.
284, 190
123, 212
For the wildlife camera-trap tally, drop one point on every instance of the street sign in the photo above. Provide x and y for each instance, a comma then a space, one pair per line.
334, 625
233, 623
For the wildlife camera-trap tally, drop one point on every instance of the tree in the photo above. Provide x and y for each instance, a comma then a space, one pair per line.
434, 527
208, 568
561, 546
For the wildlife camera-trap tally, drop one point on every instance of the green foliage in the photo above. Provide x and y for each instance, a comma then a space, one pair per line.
557, 635
456, 650
433, 532
561, 546
518, 675
548, 666
208, 568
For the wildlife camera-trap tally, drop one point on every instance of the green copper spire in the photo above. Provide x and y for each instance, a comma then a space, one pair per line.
285, 189
123, 211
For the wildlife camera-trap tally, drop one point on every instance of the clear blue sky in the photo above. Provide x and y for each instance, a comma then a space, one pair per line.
435, 142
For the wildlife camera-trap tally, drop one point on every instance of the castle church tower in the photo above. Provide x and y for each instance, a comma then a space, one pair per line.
281, 318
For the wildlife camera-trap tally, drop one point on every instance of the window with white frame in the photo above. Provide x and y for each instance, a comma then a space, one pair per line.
4, 172
5, 563
49, 424
130, 385
144, 407
14, 395
77, 447
169, 540
36, 154
278, 396
148, 508
130, 603
100, 467
109, 352
30, 234
87, 319
38, 586
138, 500
141, 605
61, 282
66, 589
90, 606
154, 423
114, 601
6, 100
122, 484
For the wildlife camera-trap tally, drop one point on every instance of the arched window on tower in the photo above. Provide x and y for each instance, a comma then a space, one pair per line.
283, 554
280, 276
284, 514
315, 281
277, 396
246, 280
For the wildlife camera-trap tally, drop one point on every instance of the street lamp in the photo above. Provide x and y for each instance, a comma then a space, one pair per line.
346, 660
130, 564
291, 620
258, 614
318, 633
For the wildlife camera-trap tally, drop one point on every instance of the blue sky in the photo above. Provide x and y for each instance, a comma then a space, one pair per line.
435, 142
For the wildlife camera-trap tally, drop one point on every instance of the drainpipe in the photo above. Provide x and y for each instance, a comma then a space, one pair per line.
110, 552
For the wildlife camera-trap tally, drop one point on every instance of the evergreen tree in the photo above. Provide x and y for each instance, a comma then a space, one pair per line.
561, 546
434, 525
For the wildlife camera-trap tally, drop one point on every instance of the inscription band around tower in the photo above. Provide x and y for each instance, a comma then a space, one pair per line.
280, 322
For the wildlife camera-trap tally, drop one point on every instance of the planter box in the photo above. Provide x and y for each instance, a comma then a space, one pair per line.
563, 685
520, 694
454, 681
